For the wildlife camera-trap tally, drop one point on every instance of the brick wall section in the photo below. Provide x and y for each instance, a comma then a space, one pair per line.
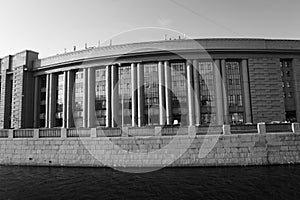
296, 73
227, 150
266, 90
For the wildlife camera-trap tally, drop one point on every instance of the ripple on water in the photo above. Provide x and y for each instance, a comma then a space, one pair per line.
276, 182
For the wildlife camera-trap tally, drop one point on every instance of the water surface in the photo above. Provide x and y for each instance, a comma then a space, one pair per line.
274, 182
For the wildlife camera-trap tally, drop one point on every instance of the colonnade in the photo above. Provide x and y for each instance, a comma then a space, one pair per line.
137, 93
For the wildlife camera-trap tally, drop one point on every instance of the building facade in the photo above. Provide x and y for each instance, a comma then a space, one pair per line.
186, 82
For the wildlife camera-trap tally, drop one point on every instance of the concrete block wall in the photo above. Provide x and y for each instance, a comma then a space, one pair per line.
266, 89
210, 150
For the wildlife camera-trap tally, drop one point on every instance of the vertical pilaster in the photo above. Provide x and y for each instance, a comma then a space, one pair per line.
134, 94
108, 95
70, 87
47, 101
36, 102
64, 122
190, 93
85, 98
115, 96
225, 96
161, 91
140, 93
168, 89
246, 90
219, 95
196, 92
91, 98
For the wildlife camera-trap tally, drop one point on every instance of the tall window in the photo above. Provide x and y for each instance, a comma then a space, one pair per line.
59, 100
234, 92
78, 104
125, 95
288, 89
207, 92
151, 94
179, 93
100, 100
42, 116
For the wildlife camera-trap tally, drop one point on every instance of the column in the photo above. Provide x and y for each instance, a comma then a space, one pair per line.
140, 94
168, 89
225, 96
70, 98
64, 122
85, 98
134, 95
108, 95
247, 104
36, 101
161, 92
196, 93
115, 122
47, 101
190, 94
219, 95
91, 98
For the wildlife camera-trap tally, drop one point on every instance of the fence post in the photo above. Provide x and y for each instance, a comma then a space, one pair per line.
125, 131
157, 130
226, 129
11, 133
261, 128
192, 130
296, 127
93, 132
36, 133
63, 133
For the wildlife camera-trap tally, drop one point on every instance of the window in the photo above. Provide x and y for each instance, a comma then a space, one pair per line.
207, 92
125, 95
179, 104
150, 93
234, 91
100, 96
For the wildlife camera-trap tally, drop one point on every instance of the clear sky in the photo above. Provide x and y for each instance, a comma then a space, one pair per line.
50, 26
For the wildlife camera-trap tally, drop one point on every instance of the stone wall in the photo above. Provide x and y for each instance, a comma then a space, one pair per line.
210, 150
266, 89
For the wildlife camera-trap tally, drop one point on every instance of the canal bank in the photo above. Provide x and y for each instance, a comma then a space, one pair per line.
113, 148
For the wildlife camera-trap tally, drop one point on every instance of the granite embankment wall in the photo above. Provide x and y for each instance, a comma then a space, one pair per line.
223, 149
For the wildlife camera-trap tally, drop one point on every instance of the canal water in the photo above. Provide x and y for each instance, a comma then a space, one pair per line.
274, 182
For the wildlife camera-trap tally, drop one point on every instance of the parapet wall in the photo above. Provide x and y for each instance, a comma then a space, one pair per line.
154, 151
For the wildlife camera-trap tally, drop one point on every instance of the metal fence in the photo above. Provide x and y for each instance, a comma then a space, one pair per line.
143, 131
3, 133
49, 133
78, 133
275, 128
23, 133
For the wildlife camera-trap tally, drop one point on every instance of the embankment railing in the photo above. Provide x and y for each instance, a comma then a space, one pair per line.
260, 128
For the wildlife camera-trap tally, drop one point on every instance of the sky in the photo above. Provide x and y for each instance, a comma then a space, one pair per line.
52, 27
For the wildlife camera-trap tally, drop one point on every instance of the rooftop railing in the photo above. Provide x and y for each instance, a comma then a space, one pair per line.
260, 128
